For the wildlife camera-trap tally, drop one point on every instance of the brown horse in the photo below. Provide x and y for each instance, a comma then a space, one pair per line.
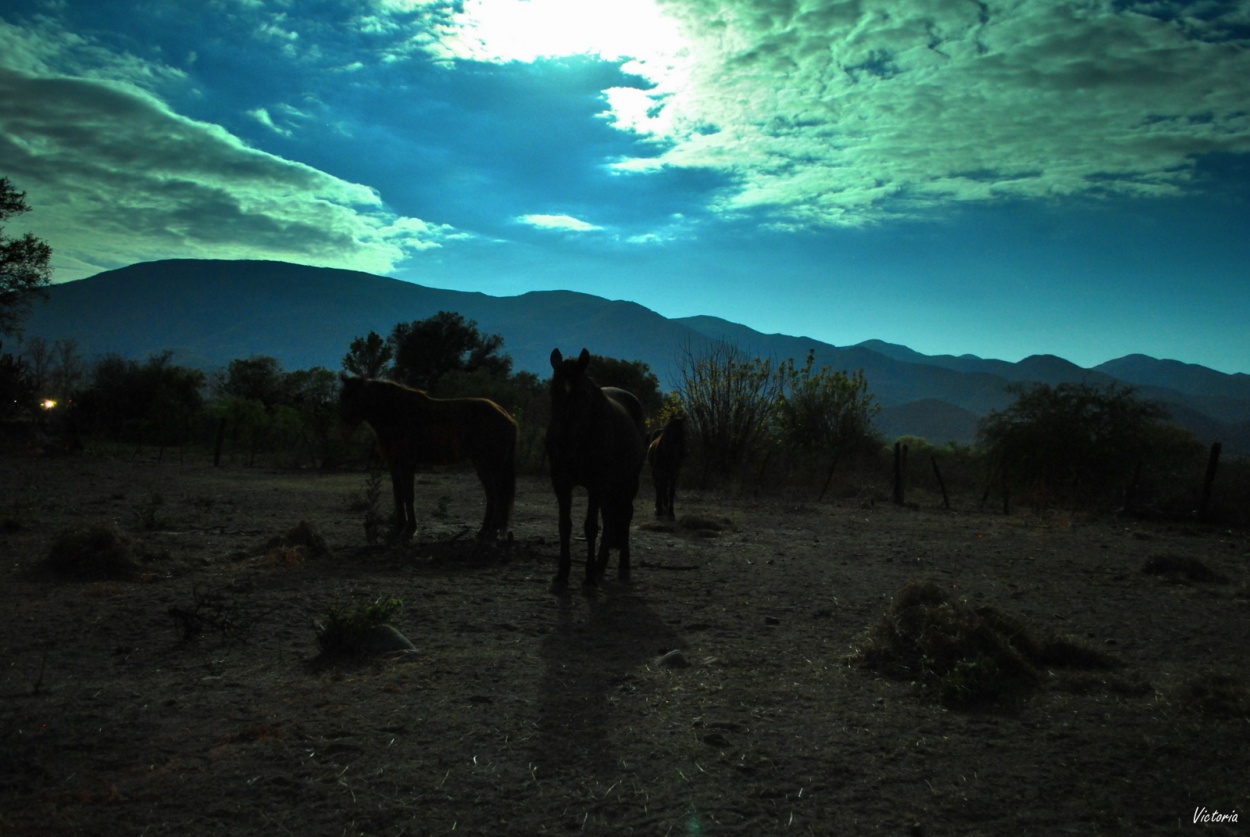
665, 455
595, 440
414, 429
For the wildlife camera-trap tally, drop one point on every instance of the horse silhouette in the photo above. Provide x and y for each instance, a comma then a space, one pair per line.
665, 455
414, 429
595, 440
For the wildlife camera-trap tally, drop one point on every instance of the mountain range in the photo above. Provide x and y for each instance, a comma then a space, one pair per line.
208, 313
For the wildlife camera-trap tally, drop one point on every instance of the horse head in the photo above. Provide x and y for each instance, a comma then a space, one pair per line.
351, 399
573, 394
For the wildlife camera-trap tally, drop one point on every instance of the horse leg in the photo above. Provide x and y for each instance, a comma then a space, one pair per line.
397, 494
488, 481
409, 513
622, 570
564, 499
671, 495
591, 530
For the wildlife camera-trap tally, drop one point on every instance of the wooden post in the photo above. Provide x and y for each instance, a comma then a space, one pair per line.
946, 501
221, 438
1213, 462
899, 449
1006, 491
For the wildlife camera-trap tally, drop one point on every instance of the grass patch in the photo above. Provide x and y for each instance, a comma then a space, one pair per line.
963, 656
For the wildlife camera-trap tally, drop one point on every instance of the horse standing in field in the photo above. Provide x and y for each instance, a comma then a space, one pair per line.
414, 429
665, 455
595, 440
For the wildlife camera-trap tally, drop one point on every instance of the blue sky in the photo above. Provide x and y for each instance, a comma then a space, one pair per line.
994, 178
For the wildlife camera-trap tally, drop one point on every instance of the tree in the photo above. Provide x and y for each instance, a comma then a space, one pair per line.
368, 356
426, 350
632, 375
728, 399
825, 413
24, 269
1073, 441
258, 378
17, 388
38, 357
68, 369
154, 402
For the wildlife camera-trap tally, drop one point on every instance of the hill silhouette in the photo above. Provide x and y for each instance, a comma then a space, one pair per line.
208, 313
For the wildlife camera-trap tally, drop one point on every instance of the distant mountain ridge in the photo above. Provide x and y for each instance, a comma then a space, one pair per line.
211, 312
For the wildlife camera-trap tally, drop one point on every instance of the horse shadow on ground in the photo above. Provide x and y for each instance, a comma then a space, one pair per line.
446, 556
589, 662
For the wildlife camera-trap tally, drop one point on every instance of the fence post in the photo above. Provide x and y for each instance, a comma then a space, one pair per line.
946, 501
1213, 462
900, 467
1006, 491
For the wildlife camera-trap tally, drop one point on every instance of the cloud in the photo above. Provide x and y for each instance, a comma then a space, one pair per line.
839, 113
114, 177
262, 116
557, 222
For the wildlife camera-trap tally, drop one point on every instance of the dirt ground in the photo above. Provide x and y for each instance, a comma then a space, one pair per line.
526, 712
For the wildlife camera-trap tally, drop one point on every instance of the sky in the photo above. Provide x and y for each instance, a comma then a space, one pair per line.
1000, 179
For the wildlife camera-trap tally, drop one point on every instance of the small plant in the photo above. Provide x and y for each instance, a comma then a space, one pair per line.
440, 510
369, 501
347, 632
215, 612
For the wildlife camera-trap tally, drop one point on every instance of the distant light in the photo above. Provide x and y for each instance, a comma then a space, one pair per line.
48, 403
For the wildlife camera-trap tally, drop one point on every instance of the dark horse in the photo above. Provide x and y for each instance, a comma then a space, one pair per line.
595, 440
665, 455
414, 429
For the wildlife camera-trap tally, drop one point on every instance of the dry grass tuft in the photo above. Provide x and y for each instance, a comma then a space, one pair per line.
97, 552
292, 547
963, 656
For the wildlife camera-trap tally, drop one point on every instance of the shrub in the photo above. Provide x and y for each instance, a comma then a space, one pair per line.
351, 633
97, 552
728, 398
1073, 442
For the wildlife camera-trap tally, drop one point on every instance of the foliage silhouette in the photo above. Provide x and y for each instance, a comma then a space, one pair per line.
24, 268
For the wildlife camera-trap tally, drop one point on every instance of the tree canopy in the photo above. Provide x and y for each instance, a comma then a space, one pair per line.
427, 350
1073, 440
24, 269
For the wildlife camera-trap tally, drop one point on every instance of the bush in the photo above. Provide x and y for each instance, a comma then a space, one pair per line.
354, 632
728, 398
97, 552
1074, 443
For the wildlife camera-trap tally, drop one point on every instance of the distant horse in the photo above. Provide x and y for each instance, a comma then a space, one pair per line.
595, 440
665, 455
414, 429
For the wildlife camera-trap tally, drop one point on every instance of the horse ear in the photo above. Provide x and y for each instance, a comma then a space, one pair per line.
556, 358
343, 377
583, 360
